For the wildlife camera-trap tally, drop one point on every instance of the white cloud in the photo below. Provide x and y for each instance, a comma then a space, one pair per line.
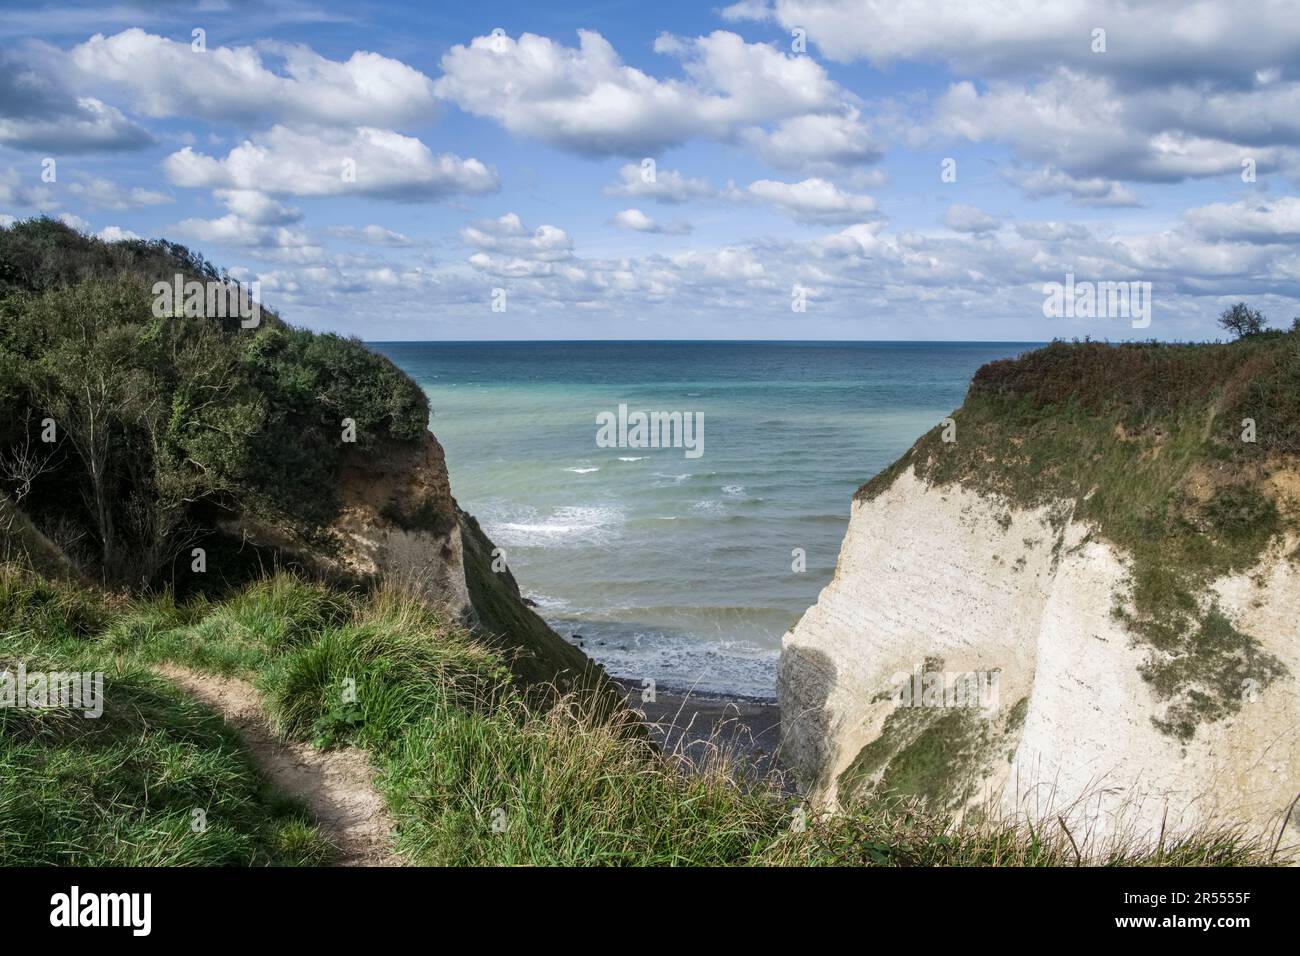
38, 111
1093, 191
1152, 43
116, 234
662, 185
963, 218
1051, 231
372, 235
105, 194
720, 267
1255, 221
167, 78
13, 192
257, 207
747, 10
817, 143
254, 220
330, 162
508, 248
74, 222
82, 126
638, 221
812, 201
586, 100
234, 231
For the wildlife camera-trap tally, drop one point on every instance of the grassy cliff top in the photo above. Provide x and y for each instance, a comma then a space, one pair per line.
131, 437
472, 772
1185, 457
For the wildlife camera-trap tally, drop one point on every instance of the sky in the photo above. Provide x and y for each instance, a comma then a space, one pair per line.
797, 169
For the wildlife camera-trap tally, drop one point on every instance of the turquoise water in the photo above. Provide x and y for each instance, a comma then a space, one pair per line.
664, 566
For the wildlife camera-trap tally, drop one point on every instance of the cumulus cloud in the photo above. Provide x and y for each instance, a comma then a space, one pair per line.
981, 276
811, 202
746, 10
638, 221
1228, 41
1091, 191
105, 194
1051, 231
963, 218
586, 100
168, 78
254, 220
372, 235
507, 248
37, 112
817, 143
15, 192
116, 234
1212, 87
662, 185
1255, 221
363, 161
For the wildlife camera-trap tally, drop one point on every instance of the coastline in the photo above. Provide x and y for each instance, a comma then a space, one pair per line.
699, 725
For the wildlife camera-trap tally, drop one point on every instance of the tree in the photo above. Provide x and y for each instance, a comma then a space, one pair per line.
1242, 320
87, 384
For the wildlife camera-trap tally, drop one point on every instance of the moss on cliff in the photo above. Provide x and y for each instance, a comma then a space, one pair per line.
1148, 444
938, 754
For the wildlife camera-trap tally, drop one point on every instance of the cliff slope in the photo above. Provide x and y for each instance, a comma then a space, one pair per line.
195, 452
1103, 539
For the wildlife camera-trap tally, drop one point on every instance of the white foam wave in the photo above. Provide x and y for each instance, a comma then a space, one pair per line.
569, 525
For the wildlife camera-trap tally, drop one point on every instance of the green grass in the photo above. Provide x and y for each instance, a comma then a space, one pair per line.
1129, 439
475, 770
122, 789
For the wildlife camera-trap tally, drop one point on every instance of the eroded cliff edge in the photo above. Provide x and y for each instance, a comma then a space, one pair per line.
151, 450
1111, 531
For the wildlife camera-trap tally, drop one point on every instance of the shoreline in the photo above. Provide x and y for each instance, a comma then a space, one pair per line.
700, 724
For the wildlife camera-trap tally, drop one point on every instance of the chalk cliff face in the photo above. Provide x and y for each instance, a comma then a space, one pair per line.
948, 578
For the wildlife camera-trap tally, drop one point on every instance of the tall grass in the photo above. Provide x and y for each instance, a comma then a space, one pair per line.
474, 769
156, 779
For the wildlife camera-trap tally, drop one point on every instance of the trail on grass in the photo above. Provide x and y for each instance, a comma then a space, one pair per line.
337, 785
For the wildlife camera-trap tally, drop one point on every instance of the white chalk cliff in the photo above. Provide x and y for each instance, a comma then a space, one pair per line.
946, 575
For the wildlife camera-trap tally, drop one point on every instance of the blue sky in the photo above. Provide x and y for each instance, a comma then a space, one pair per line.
504, 147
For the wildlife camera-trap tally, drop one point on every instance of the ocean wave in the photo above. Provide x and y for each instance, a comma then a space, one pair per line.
687, 662
582, 471
633, 457
568, 525
733, 490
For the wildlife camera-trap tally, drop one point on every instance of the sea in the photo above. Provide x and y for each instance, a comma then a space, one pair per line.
682, 564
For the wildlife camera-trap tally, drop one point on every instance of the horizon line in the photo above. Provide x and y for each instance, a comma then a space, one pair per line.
706, 341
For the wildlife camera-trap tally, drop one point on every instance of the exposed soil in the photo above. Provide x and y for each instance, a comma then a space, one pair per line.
336, 785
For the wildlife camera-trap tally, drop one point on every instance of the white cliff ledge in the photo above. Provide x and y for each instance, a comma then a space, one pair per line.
944, 577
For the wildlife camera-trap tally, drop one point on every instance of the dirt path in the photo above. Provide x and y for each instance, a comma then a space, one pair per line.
336, 785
